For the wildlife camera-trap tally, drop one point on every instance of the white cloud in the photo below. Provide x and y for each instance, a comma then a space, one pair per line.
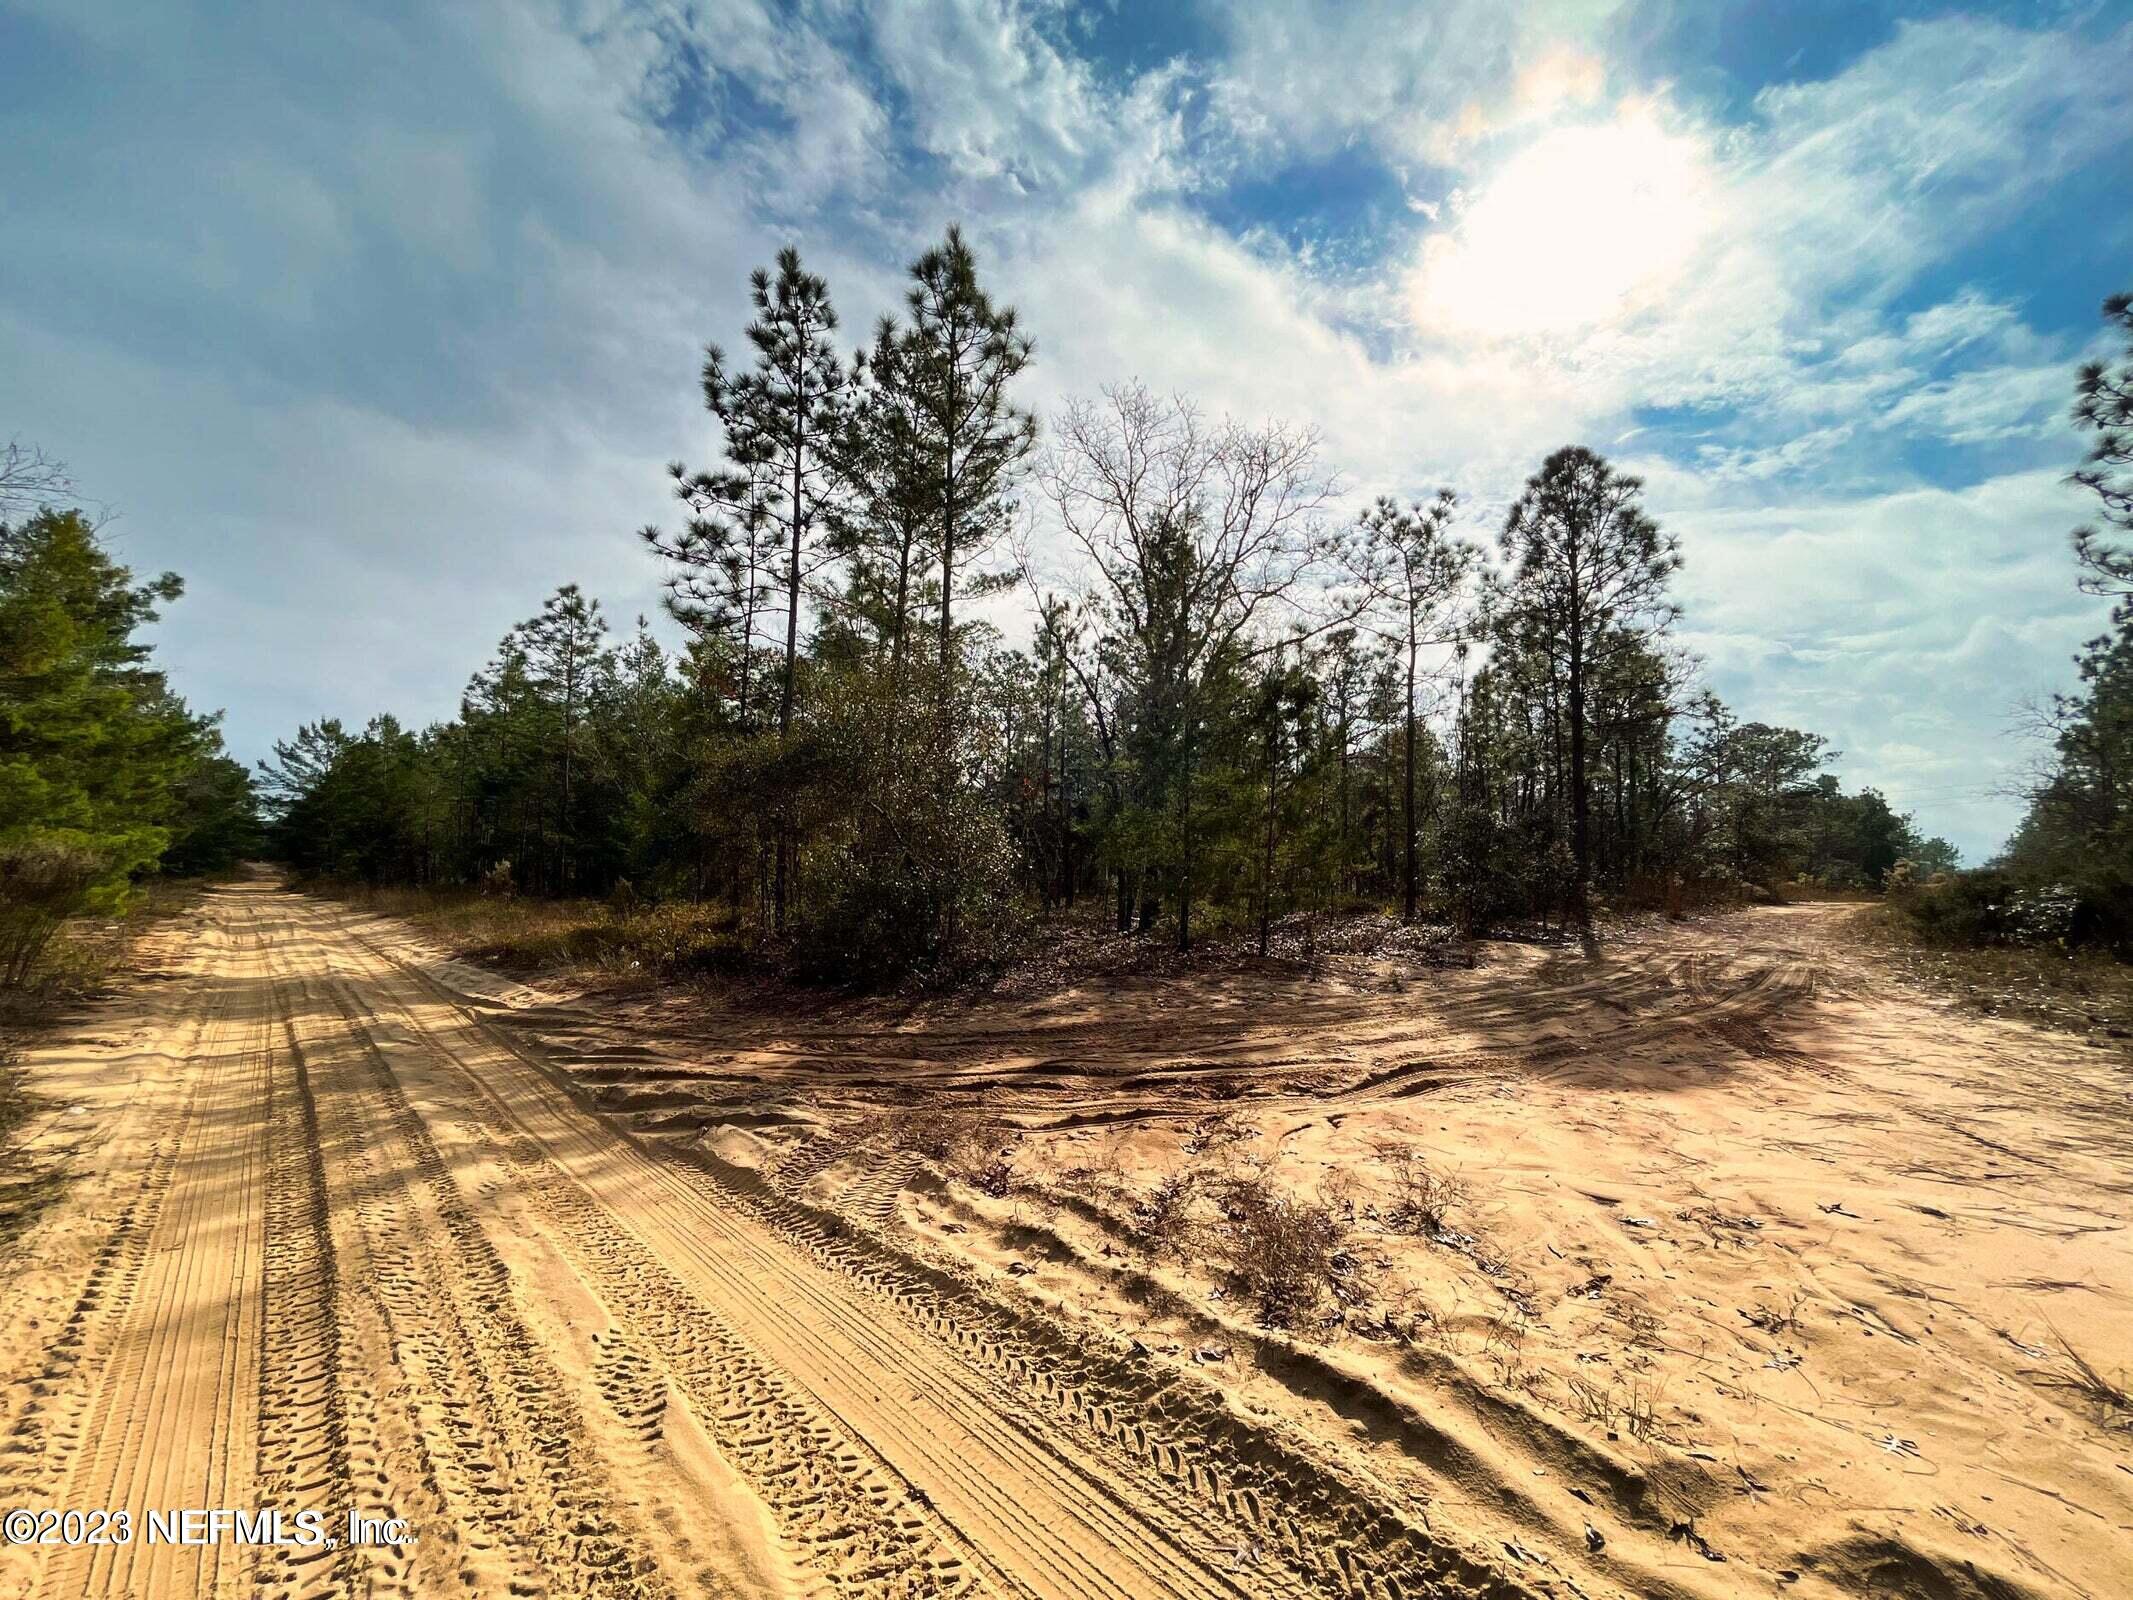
1415, 83
1646, 258
1984, 404
1583, 227
986, 92
1908, 627
418, 352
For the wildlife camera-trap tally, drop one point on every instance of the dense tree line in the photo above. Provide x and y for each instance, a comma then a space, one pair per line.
2067, 874
105, 774
1235, 706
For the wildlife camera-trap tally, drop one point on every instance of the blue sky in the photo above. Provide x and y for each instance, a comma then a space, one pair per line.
377, 321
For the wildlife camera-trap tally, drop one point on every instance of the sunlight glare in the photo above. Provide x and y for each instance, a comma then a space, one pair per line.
1576, 230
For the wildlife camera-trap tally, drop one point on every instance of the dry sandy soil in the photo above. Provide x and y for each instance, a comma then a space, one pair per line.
1718, 1264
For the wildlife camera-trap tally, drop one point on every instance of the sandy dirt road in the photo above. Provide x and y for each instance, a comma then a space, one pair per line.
336, 1241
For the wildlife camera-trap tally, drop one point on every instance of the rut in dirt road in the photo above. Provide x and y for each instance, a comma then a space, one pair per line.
373, 1256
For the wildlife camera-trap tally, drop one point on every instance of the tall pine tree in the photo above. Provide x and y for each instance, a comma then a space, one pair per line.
1587, 581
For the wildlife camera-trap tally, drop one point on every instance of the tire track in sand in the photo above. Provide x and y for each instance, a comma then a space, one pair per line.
473, 1439
1040, 1522
171, 1423
1074, 1472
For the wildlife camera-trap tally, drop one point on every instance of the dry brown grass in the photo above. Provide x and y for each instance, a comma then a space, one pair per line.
1424, 1197
79, 964
2081, 991
1630, 1407
530, 936
2112, 1405
87, 953
1276, 1248
967, 1145
1162, 1219
1773, 1318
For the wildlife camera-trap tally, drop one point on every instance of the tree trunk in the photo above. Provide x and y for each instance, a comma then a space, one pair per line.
567, 831
1580, 809
896, 632
1347, 877
1266, 859
948, 553
1185, 861
1046, 882
1411, 895
1066, 810
792, 641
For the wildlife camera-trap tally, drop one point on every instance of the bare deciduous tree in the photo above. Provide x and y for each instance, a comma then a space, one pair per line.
30, 480
1198, 539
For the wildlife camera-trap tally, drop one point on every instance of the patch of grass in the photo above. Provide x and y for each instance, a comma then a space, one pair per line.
529, 936
2110, 1401
1631, 1408
1640, 1412
1772, 1318
1162, 1219
1424, 1197
86, 954
79, 964
968, 1145
1214, 1131
1591, 1403
14, 1098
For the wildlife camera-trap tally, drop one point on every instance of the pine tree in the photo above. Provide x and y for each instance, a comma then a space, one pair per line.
1420, 576
887, 523
1588, 578
725, 560
561, 648
2103, 405
964, 351
93, 745
781, 420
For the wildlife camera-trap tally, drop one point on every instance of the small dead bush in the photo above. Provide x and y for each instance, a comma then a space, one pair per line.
1640, 1412
1162, 1219
1631, 1408
43, 882
1591, 1403
966, 1145
981, 1151
1772, 1318
1424, 1197
1504, 1346
1215, 1131
1641, 1327
1278, 1249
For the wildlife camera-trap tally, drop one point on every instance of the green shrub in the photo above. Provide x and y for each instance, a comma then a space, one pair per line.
42, 883
1992, 906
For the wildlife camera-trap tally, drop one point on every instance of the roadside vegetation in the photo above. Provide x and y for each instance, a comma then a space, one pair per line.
2045, 930
109, 784
526, 935
107, 778
2080, 989
1234, 708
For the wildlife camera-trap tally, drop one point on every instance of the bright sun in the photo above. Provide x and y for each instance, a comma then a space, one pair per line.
1575, 230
